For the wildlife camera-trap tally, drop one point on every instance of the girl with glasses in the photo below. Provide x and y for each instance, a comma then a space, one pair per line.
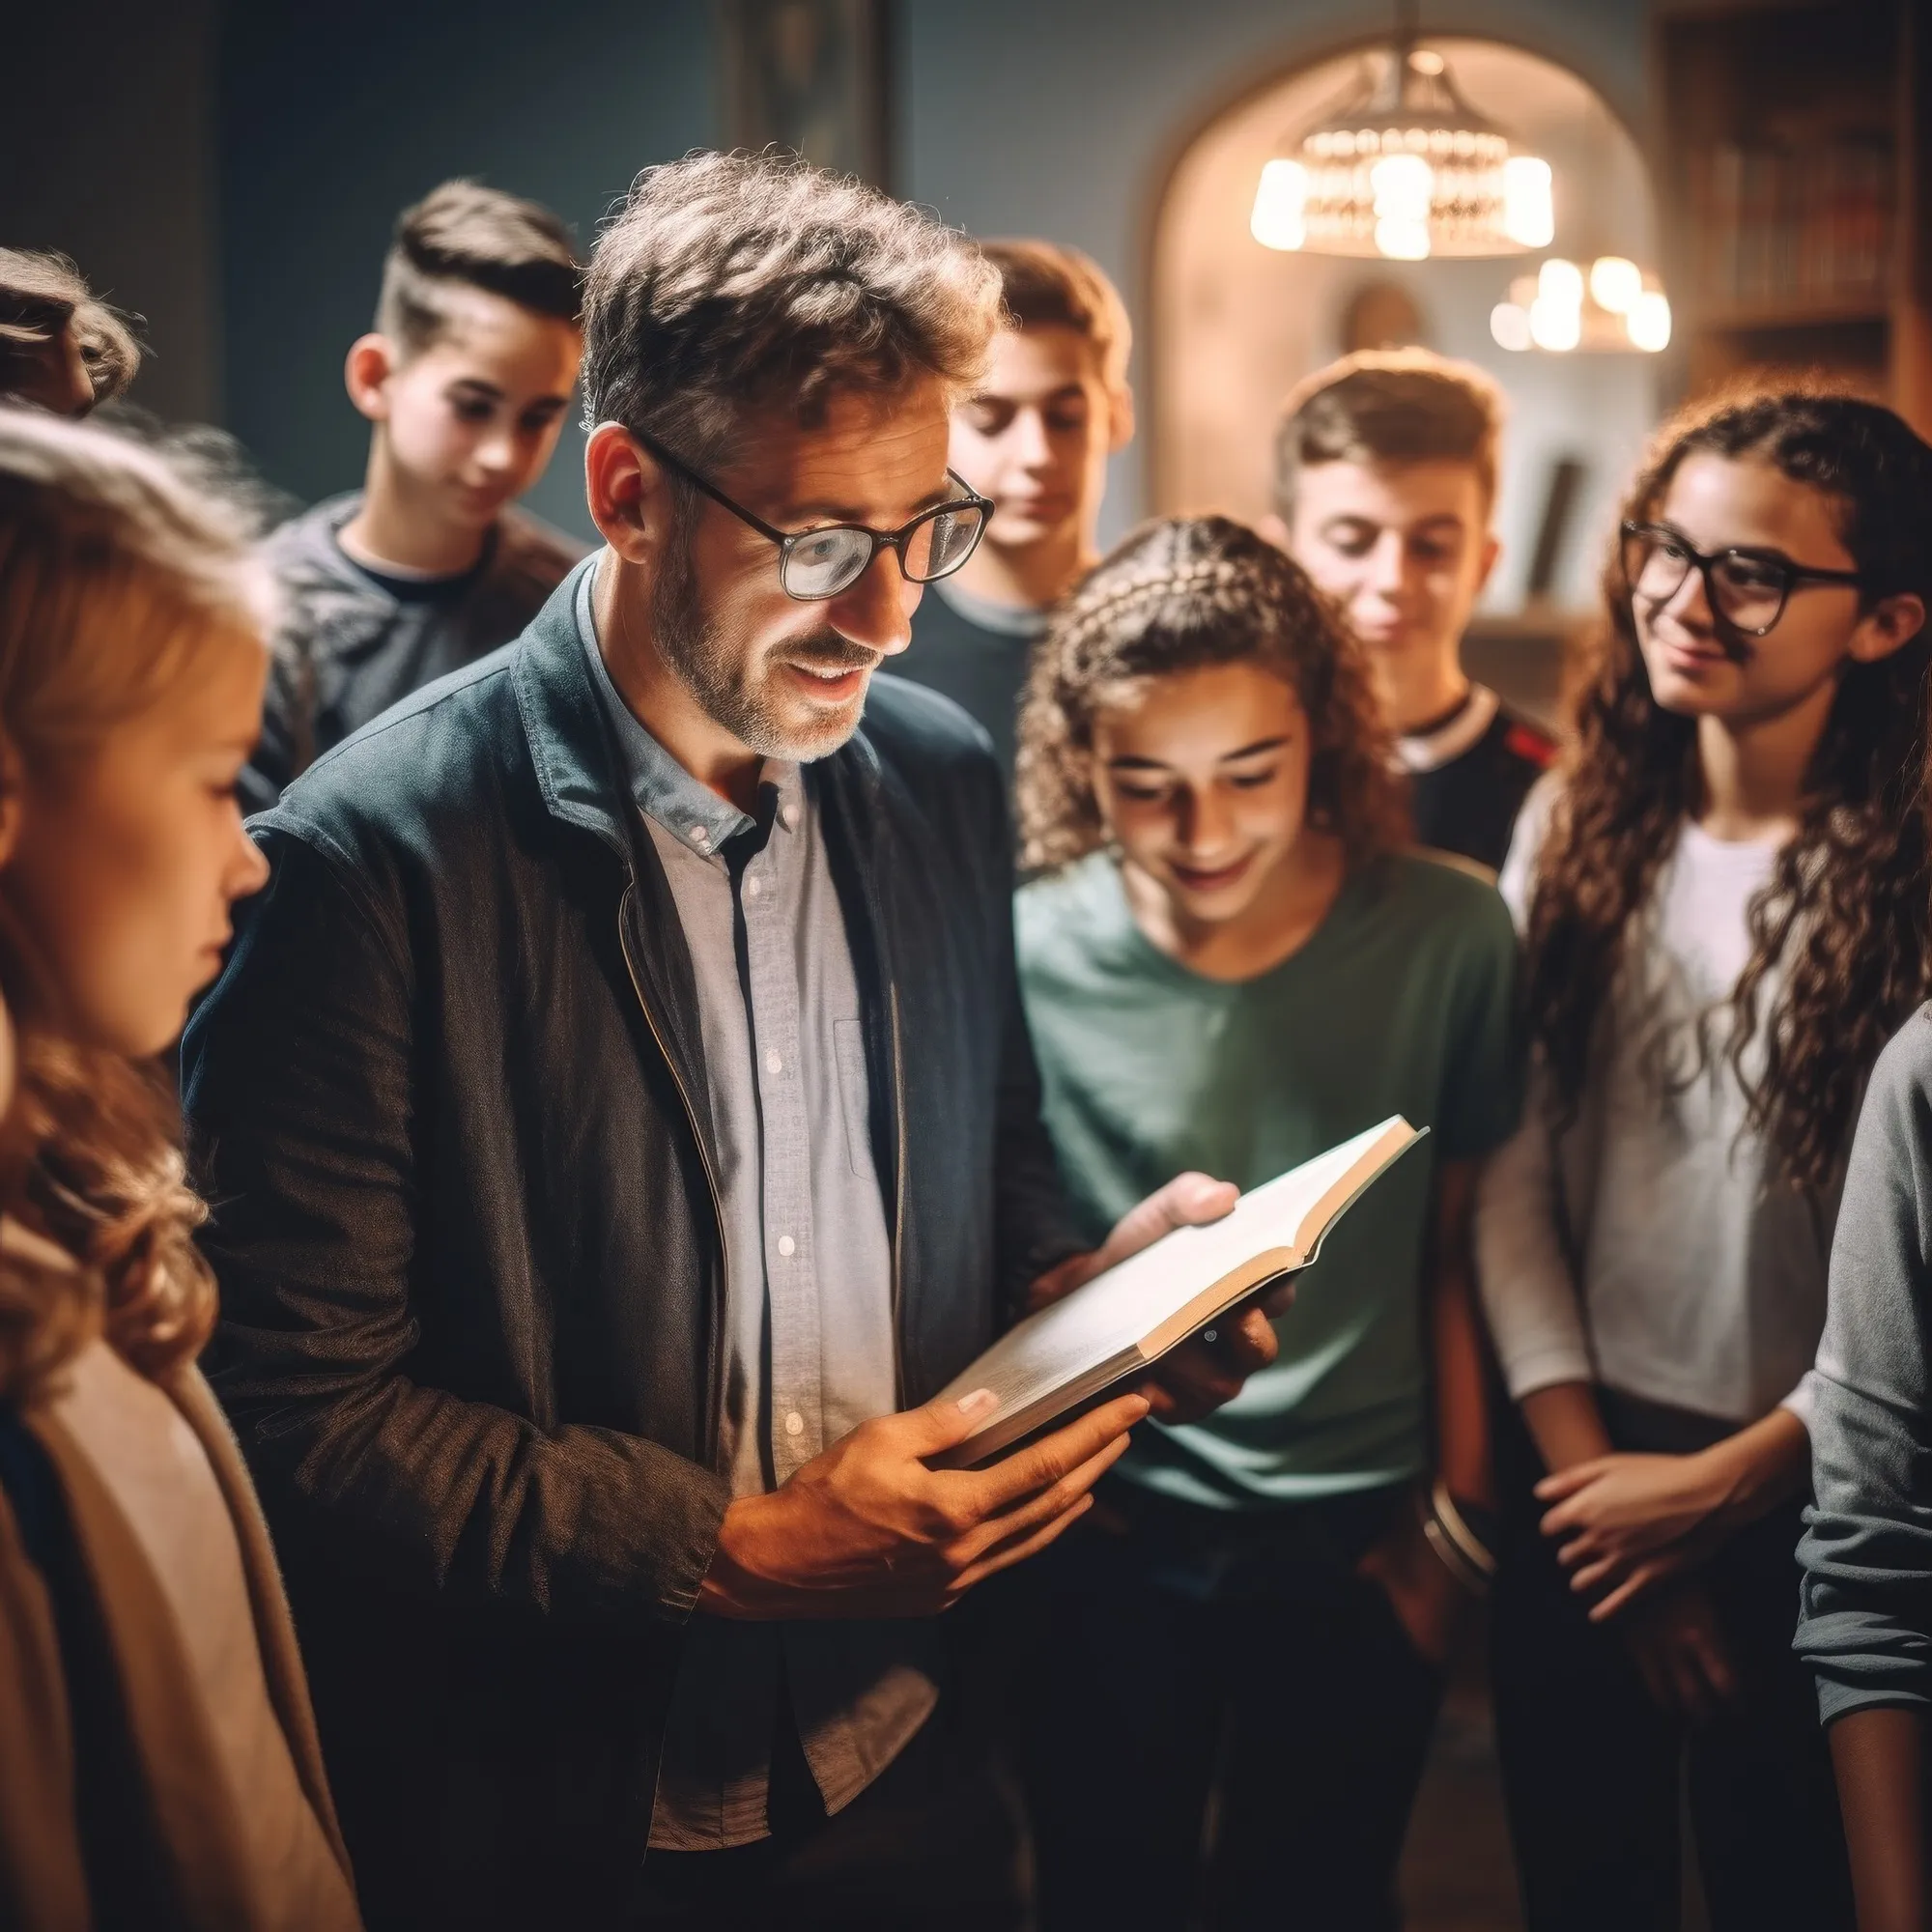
1723, 895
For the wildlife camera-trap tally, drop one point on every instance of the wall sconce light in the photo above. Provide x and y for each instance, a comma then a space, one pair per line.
1613, 306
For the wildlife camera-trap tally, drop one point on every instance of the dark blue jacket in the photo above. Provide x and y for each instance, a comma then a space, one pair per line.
449, 1102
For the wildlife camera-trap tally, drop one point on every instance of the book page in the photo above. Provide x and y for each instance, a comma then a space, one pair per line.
1111, 1315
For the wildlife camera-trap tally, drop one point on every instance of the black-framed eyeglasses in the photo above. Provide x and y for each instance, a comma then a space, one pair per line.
819, 564
1748, 588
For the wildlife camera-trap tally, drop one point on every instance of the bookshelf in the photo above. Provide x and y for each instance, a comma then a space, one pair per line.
1793, 166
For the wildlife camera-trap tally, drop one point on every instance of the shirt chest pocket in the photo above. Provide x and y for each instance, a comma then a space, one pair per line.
855, 1093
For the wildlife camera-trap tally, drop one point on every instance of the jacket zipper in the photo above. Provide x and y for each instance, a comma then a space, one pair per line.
703, 1152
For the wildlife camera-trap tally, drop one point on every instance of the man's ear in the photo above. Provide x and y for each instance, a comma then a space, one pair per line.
1889, 625
366, 369
1120, 419
628, 492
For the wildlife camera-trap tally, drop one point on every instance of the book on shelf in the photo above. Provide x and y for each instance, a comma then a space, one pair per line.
1115, 1326
1800, 224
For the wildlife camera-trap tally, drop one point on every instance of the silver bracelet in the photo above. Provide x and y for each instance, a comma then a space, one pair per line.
1462, 1552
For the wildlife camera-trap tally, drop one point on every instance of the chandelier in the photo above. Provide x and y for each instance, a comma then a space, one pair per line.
1405, 168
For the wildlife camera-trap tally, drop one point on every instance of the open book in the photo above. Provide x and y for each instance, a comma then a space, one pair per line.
1120, 1322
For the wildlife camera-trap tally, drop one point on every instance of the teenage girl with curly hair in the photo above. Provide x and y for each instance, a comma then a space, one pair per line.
157, 1759
1231, 963
1723, 892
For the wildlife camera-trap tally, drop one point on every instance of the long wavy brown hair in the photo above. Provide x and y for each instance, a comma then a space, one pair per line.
1175, 595
118, 580
1845, 912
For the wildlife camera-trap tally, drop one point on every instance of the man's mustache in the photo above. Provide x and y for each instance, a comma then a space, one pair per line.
828, 651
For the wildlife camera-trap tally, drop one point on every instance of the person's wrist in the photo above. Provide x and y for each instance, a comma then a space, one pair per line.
742, 1578
1720, 1482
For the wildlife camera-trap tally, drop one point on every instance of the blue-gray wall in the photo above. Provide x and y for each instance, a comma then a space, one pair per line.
1057, 117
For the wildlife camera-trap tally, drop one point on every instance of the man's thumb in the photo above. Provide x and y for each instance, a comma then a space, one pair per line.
942, 1422
1187, 1201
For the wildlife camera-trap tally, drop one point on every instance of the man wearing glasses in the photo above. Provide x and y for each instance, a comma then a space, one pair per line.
624, 1124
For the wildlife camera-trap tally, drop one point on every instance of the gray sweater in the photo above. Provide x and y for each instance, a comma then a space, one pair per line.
1865, 1621
348, 647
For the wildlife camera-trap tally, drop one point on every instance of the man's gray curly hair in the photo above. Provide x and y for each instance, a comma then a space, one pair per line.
728, 285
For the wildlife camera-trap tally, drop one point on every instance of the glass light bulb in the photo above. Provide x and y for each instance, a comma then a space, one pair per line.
1530, 214
1402, 241
1509, 324
1560, 283
1555, 326
1404, 186
1615, 283
1648, 323
1281, 201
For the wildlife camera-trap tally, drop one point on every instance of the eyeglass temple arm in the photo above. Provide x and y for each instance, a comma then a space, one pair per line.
1810, 571
710, 488
985, 505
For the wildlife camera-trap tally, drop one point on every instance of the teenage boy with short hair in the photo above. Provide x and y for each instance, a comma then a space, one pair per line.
1385, 482
1034, 437
465, 378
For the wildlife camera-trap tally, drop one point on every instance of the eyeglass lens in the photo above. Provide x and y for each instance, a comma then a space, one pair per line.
1747, 591
821, 563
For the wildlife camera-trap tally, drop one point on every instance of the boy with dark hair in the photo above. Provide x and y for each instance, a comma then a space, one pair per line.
465, 378
1035, 436
1385, 481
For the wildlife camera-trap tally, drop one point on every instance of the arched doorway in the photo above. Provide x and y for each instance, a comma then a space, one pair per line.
1233, 324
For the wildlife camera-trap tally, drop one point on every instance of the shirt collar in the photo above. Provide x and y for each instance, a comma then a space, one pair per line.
1448, 738
693, 814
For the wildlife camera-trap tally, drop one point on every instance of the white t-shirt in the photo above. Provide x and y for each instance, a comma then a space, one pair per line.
1702, 1278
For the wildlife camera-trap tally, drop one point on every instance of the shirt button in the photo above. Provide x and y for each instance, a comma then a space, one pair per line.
786, 1245
794, 1424
789, 814
700, 837
751, 889
774, 1064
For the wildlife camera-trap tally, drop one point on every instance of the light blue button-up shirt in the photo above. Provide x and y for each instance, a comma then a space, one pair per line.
810, 1335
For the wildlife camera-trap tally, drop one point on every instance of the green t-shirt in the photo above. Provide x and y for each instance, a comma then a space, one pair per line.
1403, 1001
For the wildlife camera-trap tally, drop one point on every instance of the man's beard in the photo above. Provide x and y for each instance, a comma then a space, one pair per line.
747, 699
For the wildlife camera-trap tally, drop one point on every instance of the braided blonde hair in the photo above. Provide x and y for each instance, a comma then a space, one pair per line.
1179, 594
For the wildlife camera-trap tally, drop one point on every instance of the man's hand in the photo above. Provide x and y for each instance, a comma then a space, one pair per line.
867, 1529
1427, 1600
1680, 1649
1200, 1374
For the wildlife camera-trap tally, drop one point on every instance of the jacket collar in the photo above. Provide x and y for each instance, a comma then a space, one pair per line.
576, 766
